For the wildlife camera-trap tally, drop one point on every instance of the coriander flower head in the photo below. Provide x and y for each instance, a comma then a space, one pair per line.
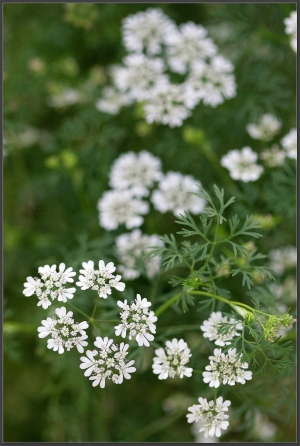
273, 157
289, 143
242, 164
266, 128
64, 331
137, 320
211, 328
107, 362
291, 28
210, 415
226, 369
101, 280
112, 100
51, 285
171, 361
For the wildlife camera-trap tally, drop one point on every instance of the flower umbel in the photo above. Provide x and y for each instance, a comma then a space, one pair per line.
211, 328
108, 362
172, 360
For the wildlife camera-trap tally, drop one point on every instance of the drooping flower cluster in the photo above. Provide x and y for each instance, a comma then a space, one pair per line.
242, 164
64, 332
210, 415
211, 328
156, 48
171, 361
51, 285
291, 28
226, 369
107, 362
137, 320
130, 249
267, 126
101, 280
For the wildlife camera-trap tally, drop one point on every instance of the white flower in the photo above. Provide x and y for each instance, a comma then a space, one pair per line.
210, 82
210, 415
138, 320
136, 172
101, 280
173, 194
172, 360
120, 207
226, 369
266, 128
211, 329
273, 157
289, 143
146, 31
283, 258
291, 28
139, 77
51, 285
112, 101
64, 332
107, 362
130, 250
241, 164
167, 106
67, 97
189, 43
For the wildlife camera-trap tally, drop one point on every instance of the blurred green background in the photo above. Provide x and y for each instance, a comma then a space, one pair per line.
56, 165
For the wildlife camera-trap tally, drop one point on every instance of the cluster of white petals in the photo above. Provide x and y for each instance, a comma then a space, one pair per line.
242, 164
266, 128
156, 48
137, 320
174, 194
130, 250
51, 285
101, 280
289, 143
211, 328
172, 360
283, 258
273, 157
226, 368
291, 28
210, 415
64, 331
107, 362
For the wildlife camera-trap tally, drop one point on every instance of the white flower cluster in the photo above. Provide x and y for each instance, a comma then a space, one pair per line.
108, 362
138, 320
156, 48
291, 28
289, 143
242, 164
101, 280
226, 369
210, 415
130, 249
172, 360
273, 157
267, 126
283, 258
65, 333
132, 176
211, 328
51, 285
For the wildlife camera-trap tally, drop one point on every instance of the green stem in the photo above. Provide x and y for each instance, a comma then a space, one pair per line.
79, 311
166, 305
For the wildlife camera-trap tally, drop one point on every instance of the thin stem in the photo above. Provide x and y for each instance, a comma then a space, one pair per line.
94, 309
79, 311
166, 305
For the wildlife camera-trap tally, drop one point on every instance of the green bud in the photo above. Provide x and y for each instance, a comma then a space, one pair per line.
246, 314
287, 320
271, 327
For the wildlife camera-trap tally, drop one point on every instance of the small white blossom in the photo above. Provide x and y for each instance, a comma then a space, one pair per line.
130, 250
101, 280
242, 164
138, 320
64, 332
107, 362
173, 194
147, 31
273, 157
210, 415
289, 143
189, 43
226, 369
67, 97
171, 361
112, 101
211, 329
291, 28
117, 207
51, 286
266, 128
136, 172
283, 258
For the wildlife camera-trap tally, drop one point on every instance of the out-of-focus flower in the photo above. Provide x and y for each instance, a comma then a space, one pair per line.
112, 101
171, 361
283, 258
242, 164
211, 328
291, 28
273, 157
266, 128
65, 98
289, 143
